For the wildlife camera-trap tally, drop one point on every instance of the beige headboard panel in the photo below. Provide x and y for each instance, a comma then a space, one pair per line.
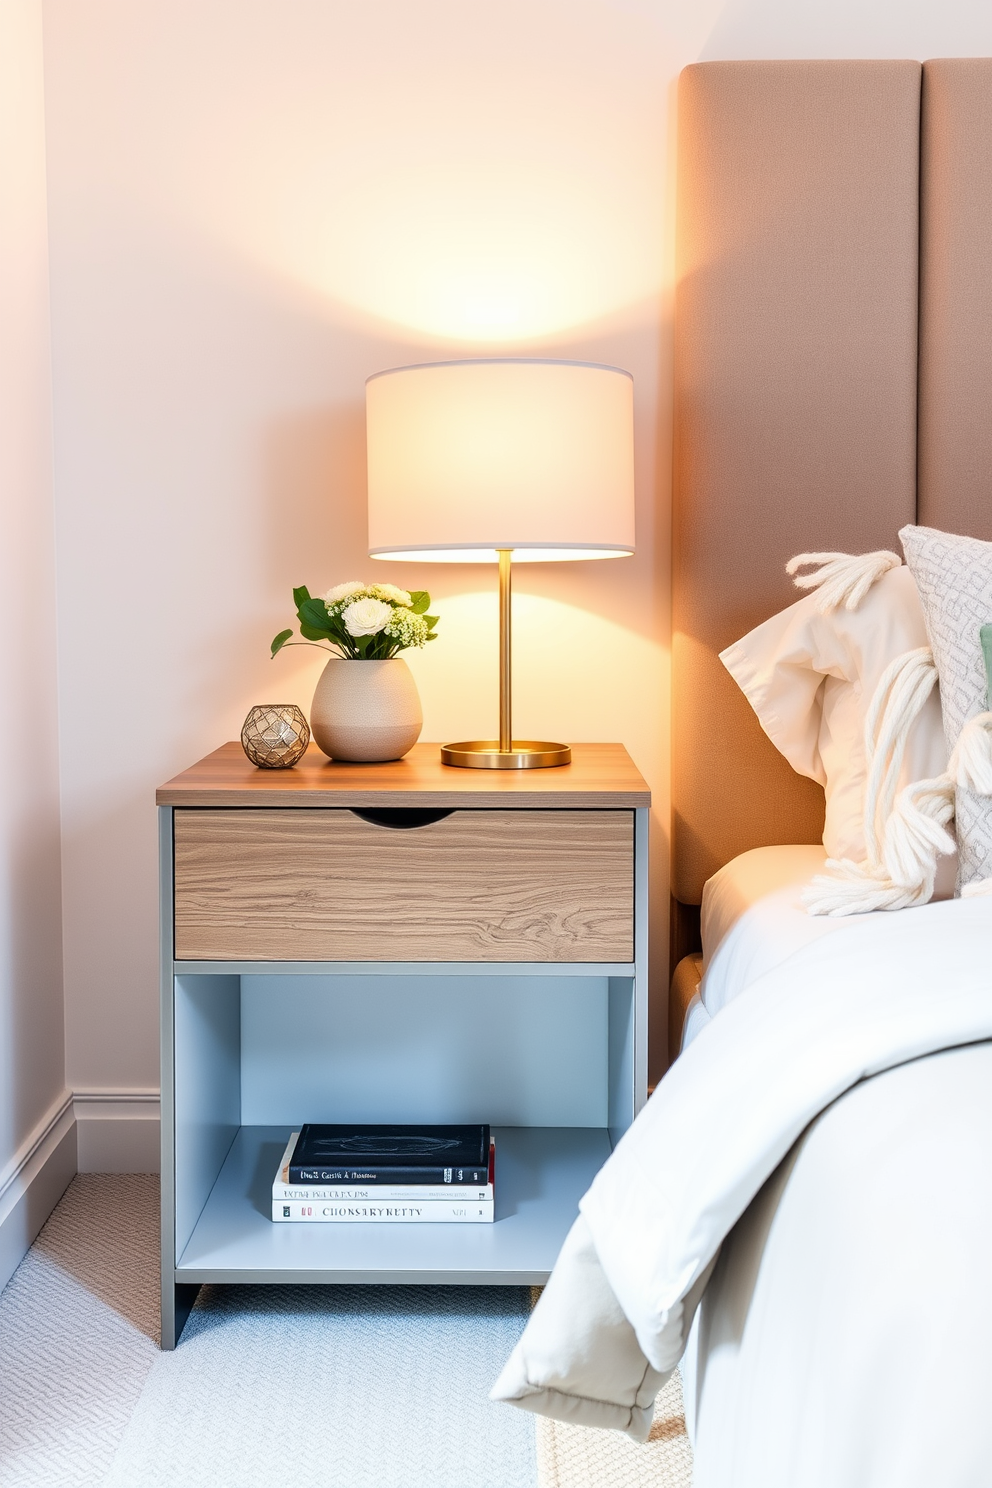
795, 417
955, 470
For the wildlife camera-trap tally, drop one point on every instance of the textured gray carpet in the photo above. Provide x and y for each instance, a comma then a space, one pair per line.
313, 1386
79, 1334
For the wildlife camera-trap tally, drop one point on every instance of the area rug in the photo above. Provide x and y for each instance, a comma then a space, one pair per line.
324, 1387
581, 1457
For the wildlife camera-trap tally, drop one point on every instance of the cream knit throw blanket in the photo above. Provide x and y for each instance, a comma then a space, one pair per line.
904, 833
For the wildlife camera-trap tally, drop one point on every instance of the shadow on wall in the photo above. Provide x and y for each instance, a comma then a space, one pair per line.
110, 856
32, 1047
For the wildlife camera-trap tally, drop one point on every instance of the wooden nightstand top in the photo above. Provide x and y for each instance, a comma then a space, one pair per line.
600, 775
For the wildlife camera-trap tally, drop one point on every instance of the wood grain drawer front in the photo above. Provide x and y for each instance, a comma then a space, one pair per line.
324, 885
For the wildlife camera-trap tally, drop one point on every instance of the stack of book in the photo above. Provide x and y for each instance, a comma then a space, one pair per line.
386, 1175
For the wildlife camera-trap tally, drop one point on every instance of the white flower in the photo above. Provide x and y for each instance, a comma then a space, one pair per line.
409, 630
366, 616
394, 595
344, 591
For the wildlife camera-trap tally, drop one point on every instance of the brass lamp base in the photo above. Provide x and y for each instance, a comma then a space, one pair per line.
505, 753
523, 754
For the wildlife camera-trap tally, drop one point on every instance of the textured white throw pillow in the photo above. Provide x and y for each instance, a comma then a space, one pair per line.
954, 578
810, 678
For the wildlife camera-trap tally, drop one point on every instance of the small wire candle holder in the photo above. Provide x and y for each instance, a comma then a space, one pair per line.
275, 735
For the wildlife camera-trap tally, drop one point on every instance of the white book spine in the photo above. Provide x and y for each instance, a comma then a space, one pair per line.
428, 1212
283, 1193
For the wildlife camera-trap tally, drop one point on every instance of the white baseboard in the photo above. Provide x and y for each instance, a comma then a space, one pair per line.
33, 1182
117, 1131
85, 1131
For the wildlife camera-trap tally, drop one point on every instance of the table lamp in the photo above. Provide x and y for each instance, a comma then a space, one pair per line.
501, 460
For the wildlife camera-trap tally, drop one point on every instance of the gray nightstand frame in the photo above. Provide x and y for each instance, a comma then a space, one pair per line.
216, 1226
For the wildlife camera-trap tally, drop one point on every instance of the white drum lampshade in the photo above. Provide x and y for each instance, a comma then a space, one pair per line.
466, 458
500, 460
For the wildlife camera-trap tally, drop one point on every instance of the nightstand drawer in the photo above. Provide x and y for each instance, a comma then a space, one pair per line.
326, 885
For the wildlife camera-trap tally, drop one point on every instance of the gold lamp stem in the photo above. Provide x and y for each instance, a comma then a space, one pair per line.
505, 681
504, 754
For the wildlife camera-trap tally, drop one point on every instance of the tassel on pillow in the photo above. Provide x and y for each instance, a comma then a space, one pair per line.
810, 671
900, 869
903, 837
842, 578
905, 834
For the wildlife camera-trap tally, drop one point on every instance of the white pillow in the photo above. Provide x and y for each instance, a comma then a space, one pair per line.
810, 678
954, 577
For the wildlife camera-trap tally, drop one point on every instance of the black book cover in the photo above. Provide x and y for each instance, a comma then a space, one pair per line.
391, 1154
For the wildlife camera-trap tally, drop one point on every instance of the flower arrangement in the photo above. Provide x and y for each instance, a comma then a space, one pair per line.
362, 622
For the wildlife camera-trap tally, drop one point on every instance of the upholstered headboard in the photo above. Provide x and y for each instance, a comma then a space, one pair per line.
833, 379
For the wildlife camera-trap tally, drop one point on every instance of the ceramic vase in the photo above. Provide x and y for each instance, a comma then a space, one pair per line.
366, 710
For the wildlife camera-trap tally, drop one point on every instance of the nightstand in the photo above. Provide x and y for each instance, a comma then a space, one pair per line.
395, 942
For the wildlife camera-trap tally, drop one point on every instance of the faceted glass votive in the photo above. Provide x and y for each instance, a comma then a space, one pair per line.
275, 735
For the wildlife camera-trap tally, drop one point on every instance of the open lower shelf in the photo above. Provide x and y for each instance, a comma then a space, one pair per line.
541, 1173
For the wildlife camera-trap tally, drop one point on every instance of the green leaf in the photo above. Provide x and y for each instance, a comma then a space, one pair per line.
313, 612
280, 640
421, 599
309, 634
301, 595
431, 621
985, 636
432, 636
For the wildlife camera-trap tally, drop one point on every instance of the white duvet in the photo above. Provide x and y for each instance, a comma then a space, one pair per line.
615, 1315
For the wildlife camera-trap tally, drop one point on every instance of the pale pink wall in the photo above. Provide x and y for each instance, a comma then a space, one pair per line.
31, 1014
253, 207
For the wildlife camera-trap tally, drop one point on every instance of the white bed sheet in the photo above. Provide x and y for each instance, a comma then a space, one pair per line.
753, 919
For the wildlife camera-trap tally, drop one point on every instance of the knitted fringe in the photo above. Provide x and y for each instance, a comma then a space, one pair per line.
904, 833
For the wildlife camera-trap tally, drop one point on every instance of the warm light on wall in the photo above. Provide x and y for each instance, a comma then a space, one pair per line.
477, 251
489, 175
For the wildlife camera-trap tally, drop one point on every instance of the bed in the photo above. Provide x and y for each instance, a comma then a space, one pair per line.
807, 1199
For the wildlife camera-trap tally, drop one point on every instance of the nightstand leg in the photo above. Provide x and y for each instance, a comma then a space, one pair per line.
177, 1304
